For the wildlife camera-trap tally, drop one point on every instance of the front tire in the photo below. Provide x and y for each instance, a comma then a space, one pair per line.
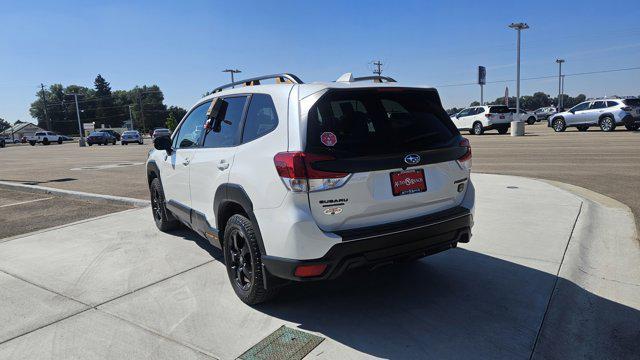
477, 129
531, 120
45, 141
243, 261
559, 125
503, 130
32, 143
607, 124
582, 127
633, 127
59, 141
163, 218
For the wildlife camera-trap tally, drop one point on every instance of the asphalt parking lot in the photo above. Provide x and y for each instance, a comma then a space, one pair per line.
607, 163
24, 212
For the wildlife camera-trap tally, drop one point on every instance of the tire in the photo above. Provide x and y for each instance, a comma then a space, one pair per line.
559, 125
59, 141
123, 143
503, 129
161, 216
113, 143
241, 251
32, 143
477, 128
45, 141
2, 144
140, 143
106, 142
582, 127
531, 120
633, 127
607, 124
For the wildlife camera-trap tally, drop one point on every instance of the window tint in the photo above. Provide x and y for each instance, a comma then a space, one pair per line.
229, 126
612, 103
581, 106
261, 117
598, 105
464, 112
479, 110
190, 132
346, 123
503, 109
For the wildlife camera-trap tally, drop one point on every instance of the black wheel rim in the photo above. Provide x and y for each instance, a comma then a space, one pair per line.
156, 205
241, 262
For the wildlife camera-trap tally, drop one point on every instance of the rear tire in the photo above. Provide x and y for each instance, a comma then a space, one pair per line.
163, 218
59, 141
477, 129
32, 143
531, 120
633, 127
559, 125
243, 260
123, 143
45, 141
582, 127
607, 124
503, 129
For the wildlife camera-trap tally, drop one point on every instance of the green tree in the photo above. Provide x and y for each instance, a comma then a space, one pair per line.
475, 103
4, 125
171, 122
178, 112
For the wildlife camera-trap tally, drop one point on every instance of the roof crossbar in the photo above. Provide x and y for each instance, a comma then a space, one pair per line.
280, 78
377, 79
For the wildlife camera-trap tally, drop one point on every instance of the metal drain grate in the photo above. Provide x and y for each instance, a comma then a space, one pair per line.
283, 344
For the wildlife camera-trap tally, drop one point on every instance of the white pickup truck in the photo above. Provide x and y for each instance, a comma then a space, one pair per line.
44, 137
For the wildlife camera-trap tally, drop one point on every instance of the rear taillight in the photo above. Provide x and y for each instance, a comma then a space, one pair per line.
626, 108
465, 160
296, 171
487, 115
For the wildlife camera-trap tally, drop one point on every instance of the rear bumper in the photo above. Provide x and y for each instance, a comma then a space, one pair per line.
382, 244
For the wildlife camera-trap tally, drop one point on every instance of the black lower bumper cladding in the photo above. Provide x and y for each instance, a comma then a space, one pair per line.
369, 246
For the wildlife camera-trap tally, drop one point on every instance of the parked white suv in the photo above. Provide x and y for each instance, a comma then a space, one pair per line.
525, 116
45, 137
300, 182
605, 113
478, 119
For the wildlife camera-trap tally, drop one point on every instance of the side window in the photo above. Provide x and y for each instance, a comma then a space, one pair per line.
598, 105
191, 130
229, 126
463, 113
261, 117
612, 103
581, 106
479, 110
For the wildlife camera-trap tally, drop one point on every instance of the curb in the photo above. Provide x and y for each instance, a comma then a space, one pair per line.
109, 199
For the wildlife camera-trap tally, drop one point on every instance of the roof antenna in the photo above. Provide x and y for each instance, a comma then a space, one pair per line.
346, 77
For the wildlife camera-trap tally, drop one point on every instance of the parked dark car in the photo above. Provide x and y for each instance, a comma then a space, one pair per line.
113, 133
101, 138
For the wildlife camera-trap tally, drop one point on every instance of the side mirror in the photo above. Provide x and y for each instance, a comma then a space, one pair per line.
215, 113
163, 143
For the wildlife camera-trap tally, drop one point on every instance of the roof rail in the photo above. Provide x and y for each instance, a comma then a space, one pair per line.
280, 78
377, 79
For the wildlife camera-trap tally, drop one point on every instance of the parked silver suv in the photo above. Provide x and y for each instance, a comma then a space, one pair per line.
605, 113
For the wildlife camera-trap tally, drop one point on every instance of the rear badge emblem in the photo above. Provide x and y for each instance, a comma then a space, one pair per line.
412, 159
333, 211
328, 138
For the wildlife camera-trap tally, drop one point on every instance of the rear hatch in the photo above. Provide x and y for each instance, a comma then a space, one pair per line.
634, 104
500, 114
397, 151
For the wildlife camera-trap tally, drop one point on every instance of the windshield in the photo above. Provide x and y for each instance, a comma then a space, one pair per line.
378, 121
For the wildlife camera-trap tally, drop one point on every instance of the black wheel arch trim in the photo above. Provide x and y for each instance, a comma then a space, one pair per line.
233, 193
607, 115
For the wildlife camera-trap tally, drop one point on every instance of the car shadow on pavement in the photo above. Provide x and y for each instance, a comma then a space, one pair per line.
204, 244
460, 304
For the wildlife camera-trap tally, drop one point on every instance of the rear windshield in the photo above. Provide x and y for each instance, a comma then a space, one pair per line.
631, 102
349, 123
96, 133
500, 110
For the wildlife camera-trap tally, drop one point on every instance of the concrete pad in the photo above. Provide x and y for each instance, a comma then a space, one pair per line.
94, 335
459, 304
99, 260
25, 307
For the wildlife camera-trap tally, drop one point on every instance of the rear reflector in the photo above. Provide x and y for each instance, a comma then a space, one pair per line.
310, 270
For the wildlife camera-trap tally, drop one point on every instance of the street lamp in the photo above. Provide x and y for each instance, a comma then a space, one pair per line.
559, 62
517, 126
75, 97
232, 71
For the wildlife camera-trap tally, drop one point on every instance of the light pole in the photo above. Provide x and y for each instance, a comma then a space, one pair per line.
517, 126
559, 62
232, 71
81, 142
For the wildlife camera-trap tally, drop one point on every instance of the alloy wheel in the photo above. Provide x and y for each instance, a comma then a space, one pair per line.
155, 205
241, 262
606, 124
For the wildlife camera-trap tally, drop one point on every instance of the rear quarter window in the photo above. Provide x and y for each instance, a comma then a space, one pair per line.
261, 118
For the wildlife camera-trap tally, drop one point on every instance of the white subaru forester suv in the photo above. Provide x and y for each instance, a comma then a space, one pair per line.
300, 182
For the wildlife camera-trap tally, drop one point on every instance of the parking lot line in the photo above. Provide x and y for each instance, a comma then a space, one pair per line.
26, 202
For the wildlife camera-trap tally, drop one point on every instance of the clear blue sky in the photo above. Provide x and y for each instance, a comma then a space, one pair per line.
182, 46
